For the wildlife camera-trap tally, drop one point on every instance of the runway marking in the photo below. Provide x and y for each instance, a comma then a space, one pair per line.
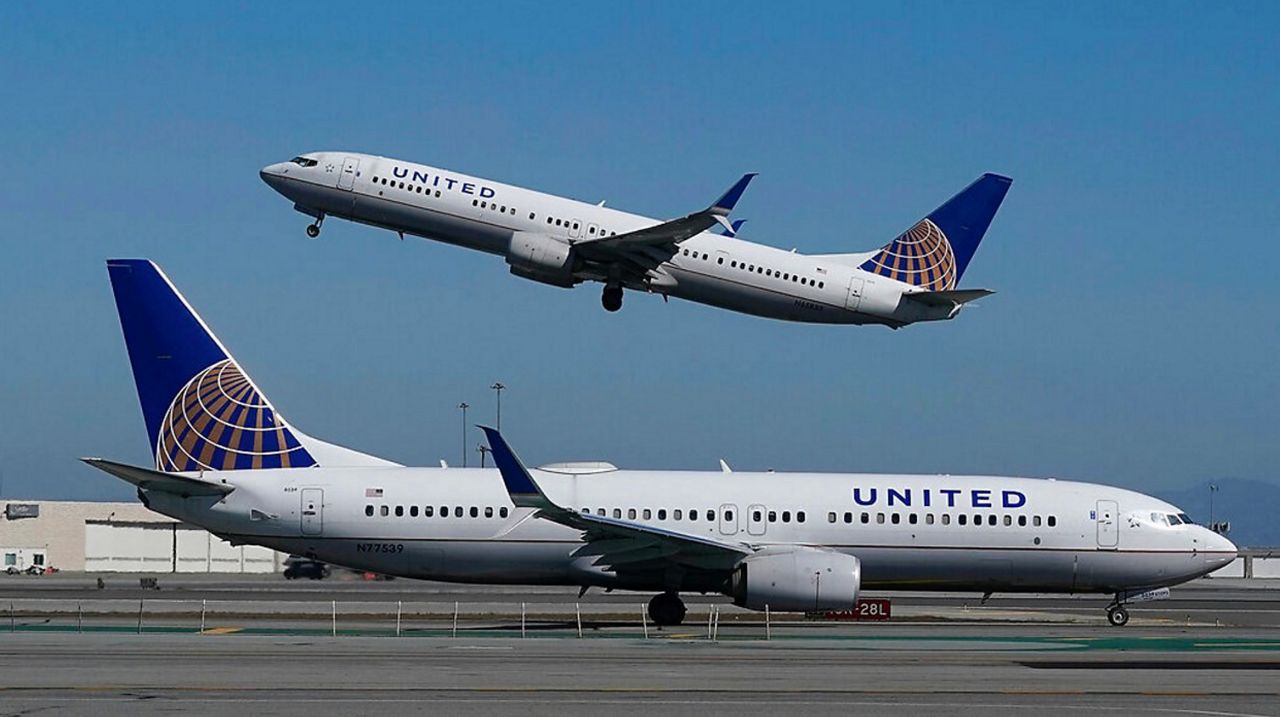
222, 630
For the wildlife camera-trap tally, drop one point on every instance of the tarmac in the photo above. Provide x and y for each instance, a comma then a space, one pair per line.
280, 648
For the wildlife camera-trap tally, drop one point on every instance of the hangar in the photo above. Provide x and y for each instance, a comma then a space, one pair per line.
118, 537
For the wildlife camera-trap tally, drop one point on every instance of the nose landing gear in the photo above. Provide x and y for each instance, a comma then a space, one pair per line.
313, 229
611, 299
666, 608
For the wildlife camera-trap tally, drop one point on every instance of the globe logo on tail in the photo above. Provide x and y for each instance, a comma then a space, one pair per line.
920, 256
219, 421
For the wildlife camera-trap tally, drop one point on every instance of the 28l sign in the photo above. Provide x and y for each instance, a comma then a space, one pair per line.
863, 609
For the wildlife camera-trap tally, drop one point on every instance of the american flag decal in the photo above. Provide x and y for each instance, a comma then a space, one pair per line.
373, 492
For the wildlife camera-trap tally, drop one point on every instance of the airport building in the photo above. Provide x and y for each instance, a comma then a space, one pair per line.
117, 537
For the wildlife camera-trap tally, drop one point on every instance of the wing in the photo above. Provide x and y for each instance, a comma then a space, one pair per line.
643, 250
614, 544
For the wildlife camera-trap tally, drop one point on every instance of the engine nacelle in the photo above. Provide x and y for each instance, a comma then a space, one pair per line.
542, 258
797, 579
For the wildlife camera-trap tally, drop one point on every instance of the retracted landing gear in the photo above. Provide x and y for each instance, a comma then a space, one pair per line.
313, 229
667, 609
612, 297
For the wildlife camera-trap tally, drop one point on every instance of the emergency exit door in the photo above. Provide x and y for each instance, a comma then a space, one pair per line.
1107, 516
312, 511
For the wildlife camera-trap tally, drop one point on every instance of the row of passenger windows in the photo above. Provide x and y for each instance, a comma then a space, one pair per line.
494, 206
735, 264
679, 514
945, 519
592, 230
409, 187
429, 511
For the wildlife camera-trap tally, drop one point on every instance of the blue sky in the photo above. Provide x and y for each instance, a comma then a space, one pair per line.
1132, 341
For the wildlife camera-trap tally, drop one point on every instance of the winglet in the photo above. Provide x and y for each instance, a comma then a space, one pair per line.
729, 199
732, 228
524, 492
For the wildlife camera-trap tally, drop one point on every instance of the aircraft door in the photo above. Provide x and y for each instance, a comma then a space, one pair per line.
728, 519
312, 513
575, 228
1108, 517
350, 167
855, 293
755, 520
593, 231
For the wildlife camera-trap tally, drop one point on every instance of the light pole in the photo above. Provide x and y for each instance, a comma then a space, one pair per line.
482, 449
497, 387
1213, 488
464, 406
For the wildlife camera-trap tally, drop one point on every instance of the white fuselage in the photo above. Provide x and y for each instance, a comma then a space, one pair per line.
709, 268
910, 532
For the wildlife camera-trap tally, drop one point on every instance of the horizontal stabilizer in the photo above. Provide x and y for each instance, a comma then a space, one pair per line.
950, 297
149, 479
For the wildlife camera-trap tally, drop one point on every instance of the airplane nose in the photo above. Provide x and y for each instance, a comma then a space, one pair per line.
273, 173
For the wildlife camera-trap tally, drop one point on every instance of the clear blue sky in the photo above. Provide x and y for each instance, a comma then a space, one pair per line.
1133, 339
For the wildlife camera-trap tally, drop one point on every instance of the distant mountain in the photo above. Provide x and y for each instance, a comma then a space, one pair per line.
1252, 507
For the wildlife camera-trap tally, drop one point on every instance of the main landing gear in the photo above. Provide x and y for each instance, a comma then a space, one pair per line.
612, 297
313, 229
667, 609
1117, 615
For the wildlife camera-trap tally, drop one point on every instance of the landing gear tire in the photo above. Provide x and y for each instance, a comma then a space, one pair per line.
667, 609
1117, 616
313, 229
611, 299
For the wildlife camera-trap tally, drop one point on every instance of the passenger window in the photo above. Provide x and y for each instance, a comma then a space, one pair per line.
720, 260
831, 517
800, 516
631, 513
368, 510
912, 519
413, 511
728, 516
866, 518
962, 519
428, 511
385, 511
457, 511
773, 516
648, 514
531, 215
879, 518
488, 511
1035, 521
1008, 520
662, 514
1053, 520
896, 518
786, 516
977, 520
1022, 521
399, 511
502, 512
848, 517
991, 519
600, 511
475, 512
928, 518
711, 515
677, 514
946, 519
617, 512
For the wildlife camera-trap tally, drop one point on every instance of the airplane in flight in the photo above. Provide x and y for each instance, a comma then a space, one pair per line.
564, 242
226, 460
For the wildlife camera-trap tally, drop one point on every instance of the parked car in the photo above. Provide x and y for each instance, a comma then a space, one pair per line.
296, 566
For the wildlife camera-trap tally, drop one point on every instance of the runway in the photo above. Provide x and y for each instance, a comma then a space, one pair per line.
897, 673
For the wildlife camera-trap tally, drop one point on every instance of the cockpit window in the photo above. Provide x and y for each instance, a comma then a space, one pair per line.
304, 161
1186, 519
1159, 519
1175, 520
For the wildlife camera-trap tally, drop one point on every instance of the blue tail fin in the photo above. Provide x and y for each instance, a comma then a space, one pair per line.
202, 411
934, 253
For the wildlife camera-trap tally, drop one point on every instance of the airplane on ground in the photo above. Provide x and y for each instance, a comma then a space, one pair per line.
227, 461
564, 242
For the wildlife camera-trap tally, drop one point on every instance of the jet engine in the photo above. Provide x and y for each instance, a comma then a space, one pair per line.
796, 580
542, 258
